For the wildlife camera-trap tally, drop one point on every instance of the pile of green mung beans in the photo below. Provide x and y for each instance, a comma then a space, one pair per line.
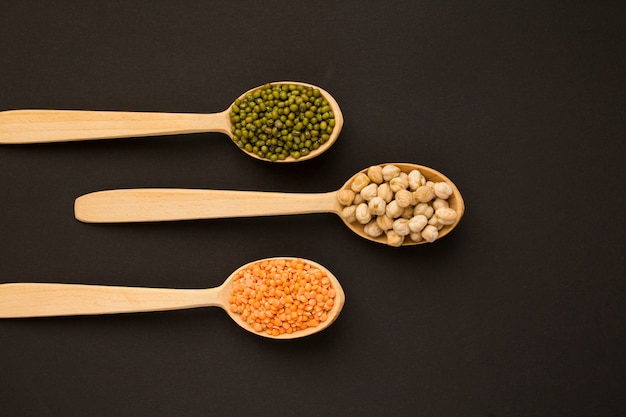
278, 121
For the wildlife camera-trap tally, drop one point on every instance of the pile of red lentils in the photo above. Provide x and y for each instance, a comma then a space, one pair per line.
279, 296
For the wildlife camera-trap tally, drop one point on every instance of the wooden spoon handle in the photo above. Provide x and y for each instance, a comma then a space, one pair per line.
40, 126
40, 300
157, 204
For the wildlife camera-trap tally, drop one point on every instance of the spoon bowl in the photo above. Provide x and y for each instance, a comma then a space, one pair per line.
174, 204
455, 201
45, 126
23, 300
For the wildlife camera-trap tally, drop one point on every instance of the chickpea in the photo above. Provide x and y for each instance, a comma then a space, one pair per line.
384, 222
417, 223
416, 179
384, 192
390, 171
398, 183
345, 197
401, 227
359, 182
393, 210
349, 213
377, 206
430, 233
363, 214
424, 194
407, 212
369, 192
404, 198
445, 215
375, 173
416, 237
373, 229
394, 239
425, 209
443, 190
434, 221
439, 203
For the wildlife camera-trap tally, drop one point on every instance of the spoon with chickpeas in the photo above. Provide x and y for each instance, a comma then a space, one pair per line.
280, 298
398, 204
283, 121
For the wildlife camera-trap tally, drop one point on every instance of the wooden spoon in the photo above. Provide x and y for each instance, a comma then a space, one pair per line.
158, 204
21, 300
42, 126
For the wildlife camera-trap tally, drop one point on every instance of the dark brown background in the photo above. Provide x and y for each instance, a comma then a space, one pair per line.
518, 312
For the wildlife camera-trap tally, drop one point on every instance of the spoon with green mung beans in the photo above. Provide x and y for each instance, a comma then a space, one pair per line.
283, 121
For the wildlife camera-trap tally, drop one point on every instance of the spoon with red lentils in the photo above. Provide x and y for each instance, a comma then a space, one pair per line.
280, 298
285, 121
398, 204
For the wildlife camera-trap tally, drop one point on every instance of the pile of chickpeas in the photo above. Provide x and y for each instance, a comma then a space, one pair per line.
400, 205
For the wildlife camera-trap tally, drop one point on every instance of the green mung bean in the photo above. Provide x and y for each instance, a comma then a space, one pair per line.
279, 121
